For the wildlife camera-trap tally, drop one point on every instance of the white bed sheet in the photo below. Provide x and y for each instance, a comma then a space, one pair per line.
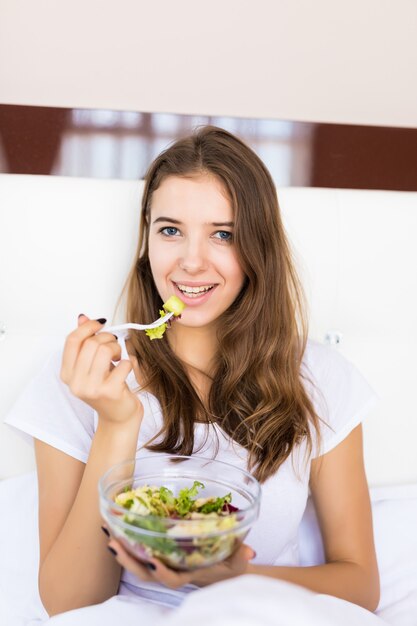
249, 600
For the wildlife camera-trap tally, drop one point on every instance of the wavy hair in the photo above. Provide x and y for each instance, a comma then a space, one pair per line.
257, 395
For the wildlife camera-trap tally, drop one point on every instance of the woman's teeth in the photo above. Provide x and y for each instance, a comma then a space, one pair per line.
194, 292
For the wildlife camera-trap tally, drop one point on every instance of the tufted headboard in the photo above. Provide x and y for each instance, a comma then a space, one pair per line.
66, 245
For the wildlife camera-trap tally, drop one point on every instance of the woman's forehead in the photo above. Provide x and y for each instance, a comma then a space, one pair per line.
203, 194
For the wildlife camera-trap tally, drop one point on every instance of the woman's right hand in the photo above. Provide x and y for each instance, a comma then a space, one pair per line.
88, 371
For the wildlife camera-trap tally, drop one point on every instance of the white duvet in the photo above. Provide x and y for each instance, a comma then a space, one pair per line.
244, 601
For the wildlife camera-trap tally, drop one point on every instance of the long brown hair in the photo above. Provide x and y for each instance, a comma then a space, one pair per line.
257, 394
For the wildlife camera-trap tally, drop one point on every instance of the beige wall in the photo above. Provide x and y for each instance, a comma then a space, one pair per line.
320, 60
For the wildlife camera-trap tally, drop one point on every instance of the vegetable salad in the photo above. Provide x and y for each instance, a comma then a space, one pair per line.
187, 542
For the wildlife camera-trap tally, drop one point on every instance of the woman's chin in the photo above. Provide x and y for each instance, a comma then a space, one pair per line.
194, 322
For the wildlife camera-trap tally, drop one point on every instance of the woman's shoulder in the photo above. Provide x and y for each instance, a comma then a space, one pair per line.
47, 410
341, 395
325, 367
332, 373
319, 357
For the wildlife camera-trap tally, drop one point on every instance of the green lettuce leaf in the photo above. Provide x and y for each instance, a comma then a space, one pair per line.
185, 498
214, 506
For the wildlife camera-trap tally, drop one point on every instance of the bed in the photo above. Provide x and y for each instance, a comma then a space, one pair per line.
46, 281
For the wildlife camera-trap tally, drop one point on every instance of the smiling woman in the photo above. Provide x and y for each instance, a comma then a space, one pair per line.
211, 178
194, 259
234, 379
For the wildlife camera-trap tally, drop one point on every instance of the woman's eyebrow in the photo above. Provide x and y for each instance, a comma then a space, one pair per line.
172, 221
166, 219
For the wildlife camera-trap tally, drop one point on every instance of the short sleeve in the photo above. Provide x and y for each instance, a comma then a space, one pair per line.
46, 410
341, 395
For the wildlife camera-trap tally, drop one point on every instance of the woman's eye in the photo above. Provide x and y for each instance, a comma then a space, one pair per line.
224, 235
169, 231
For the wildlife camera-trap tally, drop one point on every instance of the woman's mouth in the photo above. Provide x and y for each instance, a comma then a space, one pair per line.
194, 295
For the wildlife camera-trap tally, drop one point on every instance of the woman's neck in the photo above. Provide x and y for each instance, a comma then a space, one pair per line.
195, 347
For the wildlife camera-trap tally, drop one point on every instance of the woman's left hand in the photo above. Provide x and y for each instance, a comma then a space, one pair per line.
156, 571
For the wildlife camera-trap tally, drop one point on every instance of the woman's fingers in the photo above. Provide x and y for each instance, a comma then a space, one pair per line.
96, 352
233, 566
156, 571
129, 563
105, 376
169, 577
153, 571
120, 372
239, 559
89, 371
73, 345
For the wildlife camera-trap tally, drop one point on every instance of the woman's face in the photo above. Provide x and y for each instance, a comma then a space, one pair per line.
191, 249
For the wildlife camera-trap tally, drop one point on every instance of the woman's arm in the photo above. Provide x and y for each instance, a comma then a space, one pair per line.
75, 568
340, 493
341, 497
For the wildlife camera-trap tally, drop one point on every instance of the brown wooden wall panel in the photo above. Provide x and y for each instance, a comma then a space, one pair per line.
364, 157
121, 144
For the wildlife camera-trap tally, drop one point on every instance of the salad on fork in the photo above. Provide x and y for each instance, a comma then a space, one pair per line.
173, 307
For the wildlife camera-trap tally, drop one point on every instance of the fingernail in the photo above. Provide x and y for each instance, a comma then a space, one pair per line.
116, 337
253, 554
151, 566
80, 315
105, 531
102, 320
112, 550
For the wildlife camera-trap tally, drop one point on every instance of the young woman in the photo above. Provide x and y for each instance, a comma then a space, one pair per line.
234, 378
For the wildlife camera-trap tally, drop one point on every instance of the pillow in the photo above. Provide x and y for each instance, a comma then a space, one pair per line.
394, 511
19, 596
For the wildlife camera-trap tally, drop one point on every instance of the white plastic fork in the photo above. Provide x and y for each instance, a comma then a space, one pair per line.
123, 327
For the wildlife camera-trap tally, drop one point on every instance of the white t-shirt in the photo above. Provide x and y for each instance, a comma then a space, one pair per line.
48, 411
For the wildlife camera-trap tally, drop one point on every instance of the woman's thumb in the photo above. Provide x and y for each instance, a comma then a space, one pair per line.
82, 319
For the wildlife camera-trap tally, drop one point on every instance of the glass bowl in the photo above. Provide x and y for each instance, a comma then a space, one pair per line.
182, 544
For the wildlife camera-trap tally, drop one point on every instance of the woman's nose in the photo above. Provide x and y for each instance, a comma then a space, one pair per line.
194, 257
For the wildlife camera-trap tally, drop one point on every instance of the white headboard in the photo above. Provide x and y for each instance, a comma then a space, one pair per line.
66, 245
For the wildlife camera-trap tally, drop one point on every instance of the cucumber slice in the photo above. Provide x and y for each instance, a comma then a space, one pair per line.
174, 305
